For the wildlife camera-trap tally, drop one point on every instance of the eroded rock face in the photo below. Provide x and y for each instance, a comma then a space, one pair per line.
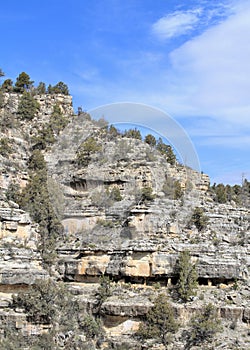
46, 103
131, 306
134, 238
20, 266
220, 266
16, 224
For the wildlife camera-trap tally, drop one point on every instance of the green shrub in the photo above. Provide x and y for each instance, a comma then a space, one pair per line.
92, 327
13, 192
5, 146
104, 290
41, 88
150, 140
113, 132
35, 199
202, 327
172, 188
147, 194
178, 192
105, 223
44, 302
7, 86
86, 150
7, 121
167, 151
225, 193
171, 157
199, 219
115, 194
159, 322
49, 302
36, 161
161, 146
44, 138
100, 199
187, 276
59, 88
28, 107
47, 135
57, 120
122, 346
23, 83
11, 338
122, 150
133, 133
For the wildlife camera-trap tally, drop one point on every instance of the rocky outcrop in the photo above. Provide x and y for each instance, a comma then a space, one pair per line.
46, 103
16, 224
140, 240
20, 266
134, 237
218, 266
20, 262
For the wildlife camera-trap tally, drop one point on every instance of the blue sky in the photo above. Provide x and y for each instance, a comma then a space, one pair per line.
188, 58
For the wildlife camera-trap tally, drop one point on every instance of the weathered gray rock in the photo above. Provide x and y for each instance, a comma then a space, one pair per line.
46, 103
130, 307
135, 239
246, 315
20, 266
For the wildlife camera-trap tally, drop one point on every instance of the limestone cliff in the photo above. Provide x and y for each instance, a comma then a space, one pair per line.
122, 218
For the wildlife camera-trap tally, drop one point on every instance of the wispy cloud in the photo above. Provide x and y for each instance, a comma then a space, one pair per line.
184, 22
202, 82
213, 69
207, 76
176, 23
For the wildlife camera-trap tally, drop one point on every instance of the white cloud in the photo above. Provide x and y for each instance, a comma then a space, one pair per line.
204, 83
213, 69
176, 23
208, 76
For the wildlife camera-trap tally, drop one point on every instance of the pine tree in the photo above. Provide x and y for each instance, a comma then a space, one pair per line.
59, 88
86, 150
160, 321
151, 140
187, 276
203, 327
7, 85
23, 82
147, 194
41, 88
171, 158
133, 134
199, 219
35, 198
161, 146
113, 132
5, 147
57, 120
28, 107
